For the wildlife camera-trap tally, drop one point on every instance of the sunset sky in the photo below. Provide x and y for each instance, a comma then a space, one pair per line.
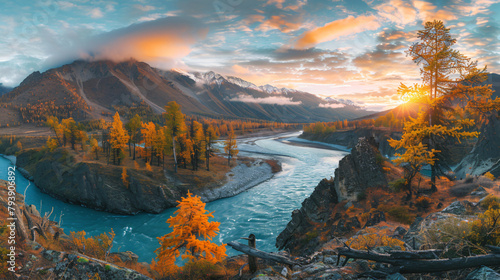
346, 49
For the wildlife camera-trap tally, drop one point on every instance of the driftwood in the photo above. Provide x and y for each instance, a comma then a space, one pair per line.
261, 254
412, 265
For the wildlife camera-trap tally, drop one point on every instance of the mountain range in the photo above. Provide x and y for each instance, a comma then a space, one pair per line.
96, 88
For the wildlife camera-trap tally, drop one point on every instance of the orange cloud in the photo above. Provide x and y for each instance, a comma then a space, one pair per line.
426, 12
336, 29
283, 23
239, 69
398, 11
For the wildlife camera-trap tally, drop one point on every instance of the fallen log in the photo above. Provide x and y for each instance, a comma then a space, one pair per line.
261, 254
421, 265
416, 255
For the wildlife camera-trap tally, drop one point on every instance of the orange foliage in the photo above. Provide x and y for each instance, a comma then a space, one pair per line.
192, 233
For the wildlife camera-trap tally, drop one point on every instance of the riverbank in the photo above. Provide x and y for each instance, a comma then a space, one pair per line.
99, 187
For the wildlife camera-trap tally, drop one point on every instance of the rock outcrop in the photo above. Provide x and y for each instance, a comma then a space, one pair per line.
356, 172
359, 170
91, 185
95, 187
485, 156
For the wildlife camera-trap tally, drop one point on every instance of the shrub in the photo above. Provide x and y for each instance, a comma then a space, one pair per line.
82, 260
397, 185
486, 229
489, 176
490, 201
400, 214
372, 240
95, 246
423, 202
451, 235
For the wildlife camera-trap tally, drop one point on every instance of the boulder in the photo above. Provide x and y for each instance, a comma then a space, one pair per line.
483, 273
456, 207
80, 267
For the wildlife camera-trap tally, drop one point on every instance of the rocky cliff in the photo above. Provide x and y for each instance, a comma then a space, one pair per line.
356, 172
101, 187
485, 156
95, 187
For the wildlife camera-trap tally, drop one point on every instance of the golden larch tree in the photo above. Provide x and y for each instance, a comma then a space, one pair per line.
175, 121
118, 138
230, 146
191, 237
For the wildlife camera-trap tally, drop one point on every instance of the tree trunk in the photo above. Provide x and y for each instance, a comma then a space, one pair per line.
175, 156
260, 254
420, 265
133, 158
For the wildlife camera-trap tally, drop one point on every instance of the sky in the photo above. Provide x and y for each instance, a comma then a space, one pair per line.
352, 49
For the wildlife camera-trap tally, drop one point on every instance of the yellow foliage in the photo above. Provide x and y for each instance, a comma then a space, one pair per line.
372, 240
148, 167
489, 176
51, 144
486, 229
136, 165
192, 233
95, 246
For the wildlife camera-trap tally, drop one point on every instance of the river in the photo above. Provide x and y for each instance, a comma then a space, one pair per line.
264, 210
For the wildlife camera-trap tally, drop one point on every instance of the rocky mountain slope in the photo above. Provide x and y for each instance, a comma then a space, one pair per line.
94, 88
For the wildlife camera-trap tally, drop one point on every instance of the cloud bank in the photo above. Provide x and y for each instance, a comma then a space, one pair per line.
279, 100
161, 42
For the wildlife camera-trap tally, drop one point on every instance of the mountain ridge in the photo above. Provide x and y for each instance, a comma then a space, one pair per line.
90, 89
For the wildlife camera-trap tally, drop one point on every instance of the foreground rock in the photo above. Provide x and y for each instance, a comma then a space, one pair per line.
71, 266
356, 172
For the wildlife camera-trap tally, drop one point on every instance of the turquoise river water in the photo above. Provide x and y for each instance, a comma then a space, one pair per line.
264, 210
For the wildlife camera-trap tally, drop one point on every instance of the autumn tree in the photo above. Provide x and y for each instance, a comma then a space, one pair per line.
191, 237
230, 146
51, 144
83, 138
148, 132
95, 148
133, 126
447, 76
198, 140
185, 149
118, 138
211, 136
161, 143
175, 121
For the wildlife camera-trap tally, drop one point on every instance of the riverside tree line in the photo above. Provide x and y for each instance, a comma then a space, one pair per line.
190, 142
